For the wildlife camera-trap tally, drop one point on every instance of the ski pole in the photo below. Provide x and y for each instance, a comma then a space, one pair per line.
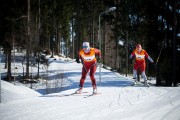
99, 73
158, 82
159, 54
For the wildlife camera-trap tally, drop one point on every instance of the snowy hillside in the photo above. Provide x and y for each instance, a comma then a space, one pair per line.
117, 99
11, 92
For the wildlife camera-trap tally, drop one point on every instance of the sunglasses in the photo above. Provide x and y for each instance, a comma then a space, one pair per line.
85, 46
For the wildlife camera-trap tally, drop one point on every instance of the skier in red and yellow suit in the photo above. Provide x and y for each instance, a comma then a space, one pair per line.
140, 63
88, 55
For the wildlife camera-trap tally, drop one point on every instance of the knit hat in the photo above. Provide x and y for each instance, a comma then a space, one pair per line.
138, 46
86, 44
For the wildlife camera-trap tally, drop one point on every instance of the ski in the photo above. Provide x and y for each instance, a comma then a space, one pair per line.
65, 95
137, 84
93, 94
140, 84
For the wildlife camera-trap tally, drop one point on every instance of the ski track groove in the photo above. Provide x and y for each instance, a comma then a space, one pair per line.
119, 98
170, 111
170, 101
160, 93
149, 114
127, 99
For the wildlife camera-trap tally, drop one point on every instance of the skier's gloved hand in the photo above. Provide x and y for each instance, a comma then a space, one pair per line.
77, 60
99, 59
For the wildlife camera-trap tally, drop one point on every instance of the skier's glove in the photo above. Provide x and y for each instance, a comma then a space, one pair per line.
99, 60
77, 60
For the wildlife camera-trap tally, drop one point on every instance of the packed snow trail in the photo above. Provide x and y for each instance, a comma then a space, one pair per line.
125, 103
117, 101
72, 71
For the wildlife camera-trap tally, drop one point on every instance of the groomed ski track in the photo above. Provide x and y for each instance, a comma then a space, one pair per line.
117, 101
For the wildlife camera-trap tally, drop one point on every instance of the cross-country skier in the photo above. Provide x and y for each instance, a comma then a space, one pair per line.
140, 55
87, 56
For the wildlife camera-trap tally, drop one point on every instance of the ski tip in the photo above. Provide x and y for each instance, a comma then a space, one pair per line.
93, 94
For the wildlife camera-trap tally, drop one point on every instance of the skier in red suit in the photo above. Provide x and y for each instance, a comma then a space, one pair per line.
140, 55
87, 56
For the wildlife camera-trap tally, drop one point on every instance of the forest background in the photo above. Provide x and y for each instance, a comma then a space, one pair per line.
59, 27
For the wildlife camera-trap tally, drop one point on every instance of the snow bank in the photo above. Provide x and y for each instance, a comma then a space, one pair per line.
117, 99
10, 92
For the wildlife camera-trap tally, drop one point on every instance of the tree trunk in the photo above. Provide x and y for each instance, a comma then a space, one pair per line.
6, 59
8, 78
174, 81
28, 41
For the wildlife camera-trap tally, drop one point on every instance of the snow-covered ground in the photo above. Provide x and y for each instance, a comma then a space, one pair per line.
116, 99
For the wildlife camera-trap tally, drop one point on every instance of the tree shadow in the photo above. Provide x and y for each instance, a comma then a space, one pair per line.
108, 79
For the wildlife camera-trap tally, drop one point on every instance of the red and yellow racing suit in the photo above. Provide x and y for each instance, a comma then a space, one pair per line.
89, 63
140, 62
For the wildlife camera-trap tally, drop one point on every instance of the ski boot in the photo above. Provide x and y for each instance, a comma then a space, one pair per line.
146, 83
135, 80
78, 91
94, 90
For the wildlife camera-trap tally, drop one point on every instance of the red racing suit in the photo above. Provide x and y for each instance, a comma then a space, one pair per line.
89, 63
140, 59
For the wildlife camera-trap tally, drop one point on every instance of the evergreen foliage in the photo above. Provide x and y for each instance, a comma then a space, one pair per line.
153, 23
